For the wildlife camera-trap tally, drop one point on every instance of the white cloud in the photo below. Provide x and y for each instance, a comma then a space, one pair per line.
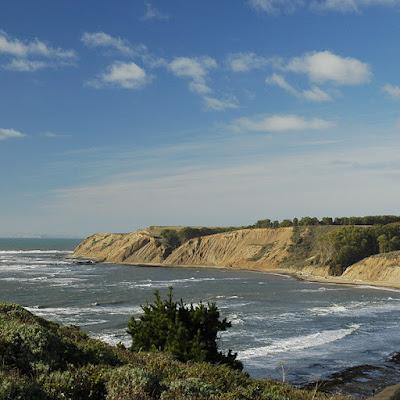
101, 39
392, 90
348, 6
215, 104
17, 48
275, 6
24, 65
325, 66
280, 123
152, 13
199, 87
30, 56
10, 134
342, 6
313, 94
280, 81
195, 69
124, 75
243, 62
52, 135
316, 94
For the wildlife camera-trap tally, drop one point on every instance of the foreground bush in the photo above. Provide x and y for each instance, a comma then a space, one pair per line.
75, 367
187, 332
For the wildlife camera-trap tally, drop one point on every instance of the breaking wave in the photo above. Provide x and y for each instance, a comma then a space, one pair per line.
299, 342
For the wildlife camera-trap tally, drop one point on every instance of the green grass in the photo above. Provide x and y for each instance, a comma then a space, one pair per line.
42, 360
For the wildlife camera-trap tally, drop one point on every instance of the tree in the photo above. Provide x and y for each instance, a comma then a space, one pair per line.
187, 332
327, 221
384, 244
170, 239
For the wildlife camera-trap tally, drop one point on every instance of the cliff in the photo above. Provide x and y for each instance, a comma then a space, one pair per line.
381, 268
264, 249
245, 248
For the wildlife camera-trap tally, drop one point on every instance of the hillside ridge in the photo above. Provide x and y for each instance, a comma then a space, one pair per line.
299, 251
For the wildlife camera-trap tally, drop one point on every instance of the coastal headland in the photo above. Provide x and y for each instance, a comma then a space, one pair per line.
342, 254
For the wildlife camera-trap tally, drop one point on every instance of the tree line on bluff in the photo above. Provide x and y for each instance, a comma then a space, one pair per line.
314, 221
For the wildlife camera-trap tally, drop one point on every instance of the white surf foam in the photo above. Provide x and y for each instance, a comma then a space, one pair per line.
298, 343
318, 290
358, 308
80, 311
113, 338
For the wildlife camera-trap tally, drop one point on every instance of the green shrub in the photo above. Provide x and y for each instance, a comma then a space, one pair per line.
187, 332
83, 383
128, 383
189, 389
13, 386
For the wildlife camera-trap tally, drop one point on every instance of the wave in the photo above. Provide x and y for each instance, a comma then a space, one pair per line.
79, 311
388, 289
317, 290
36, 252
298, 343
358, 308
114, 337
148, 283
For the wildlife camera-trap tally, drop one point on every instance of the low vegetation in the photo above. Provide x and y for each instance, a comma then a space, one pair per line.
41, 360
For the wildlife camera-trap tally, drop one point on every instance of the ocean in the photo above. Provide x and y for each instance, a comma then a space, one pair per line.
281, 327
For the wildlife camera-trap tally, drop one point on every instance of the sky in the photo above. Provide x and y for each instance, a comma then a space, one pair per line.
119, 115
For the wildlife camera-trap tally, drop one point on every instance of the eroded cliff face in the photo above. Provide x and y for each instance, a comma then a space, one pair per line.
384, 268
251, 248
130, 248
246, 248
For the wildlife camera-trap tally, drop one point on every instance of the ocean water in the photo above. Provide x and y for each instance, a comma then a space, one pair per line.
280, 326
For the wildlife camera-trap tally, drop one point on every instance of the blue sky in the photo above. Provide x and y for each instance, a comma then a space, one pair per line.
119, 115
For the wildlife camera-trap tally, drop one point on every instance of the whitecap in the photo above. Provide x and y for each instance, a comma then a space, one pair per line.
298, 343
36, 252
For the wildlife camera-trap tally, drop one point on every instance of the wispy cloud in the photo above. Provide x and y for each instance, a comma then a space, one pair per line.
196, 71
152, 13
104, 40
52, 135
276, 6
272, 179
280, 123
123, 75
313, 94
244, 62
216, 104
33, 55
392, 90
6, 133
339, 6
350, 6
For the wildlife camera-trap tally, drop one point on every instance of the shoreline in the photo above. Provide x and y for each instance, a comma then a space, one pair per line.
336, 280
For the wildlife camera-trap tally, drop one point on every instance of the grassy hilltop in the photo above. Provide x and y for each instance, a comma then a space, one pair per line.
42, 360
